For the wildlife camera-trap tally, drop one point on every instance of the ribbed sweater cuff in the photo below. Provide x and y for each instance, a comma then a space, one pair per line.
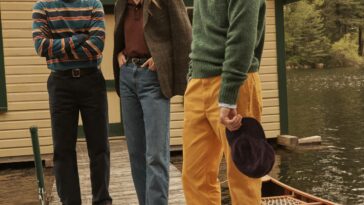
229, 93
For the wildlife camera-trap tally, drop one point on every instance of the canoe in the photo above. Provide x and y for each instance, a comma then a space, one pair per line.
275, 192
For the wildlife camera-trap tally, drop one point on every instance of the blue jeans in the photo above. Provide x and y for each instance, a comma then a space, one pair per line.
146, 113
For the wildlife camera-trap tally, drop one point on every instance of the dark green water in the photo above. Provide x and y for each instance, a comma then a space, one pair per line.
329, 103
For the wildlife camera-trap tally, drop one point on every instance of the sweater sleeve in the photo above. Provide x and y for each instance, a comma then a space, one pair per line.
45, 45
94, 45
78, 45
240, 45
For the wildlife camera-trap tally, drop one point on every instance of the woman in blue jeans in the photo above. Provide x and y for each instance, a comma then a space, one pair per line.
152, 44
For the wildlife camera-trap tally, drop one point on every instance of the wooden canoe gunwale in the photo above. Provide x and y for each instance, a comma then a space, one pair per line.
295, 193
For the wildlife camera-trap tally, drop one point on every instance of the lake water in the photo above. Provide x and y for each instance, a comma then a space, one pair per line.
329, 103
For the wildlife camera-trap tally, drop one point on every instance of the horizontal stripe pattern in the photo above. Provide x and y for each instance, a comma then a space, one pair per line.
69, 34
68, 13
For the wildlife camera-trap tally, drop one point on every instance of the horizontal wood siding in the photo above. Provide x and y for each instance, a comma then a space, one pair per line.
26, 76
269, 76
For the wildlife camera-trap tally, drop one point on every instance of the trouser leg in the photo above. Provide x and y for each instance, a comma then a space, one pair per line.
202, 150
64, 118
156, 112
94, 113
243, 189
132, 114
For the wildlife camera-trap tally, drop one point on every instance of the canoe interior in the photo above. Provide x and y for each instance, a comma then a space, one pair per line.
274, 190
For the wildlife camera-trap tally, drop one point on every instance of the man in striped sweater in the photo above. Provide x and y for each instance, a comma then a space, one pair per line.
70, 34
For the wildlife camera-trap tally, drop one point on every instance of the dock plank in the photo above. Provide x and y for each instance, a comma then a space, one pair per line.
121, 185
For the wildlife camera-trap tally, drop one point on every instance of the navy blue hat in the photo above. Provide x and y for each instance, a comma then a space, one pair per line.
251, 153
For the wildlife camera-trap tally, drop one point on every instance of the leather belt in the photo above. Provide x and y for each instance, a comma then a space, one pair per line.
76, 72
136, 61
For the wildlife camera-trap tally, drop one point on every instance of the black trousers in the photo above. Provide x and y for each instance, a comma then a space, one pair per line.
68, 97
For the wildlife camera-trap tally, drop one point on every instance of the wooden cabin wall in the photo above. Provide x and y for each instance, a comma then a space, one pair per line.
269, 76
27, 74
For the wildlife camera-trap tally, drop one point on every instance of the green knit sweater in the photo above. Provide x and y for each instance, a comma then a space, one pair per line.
228, 38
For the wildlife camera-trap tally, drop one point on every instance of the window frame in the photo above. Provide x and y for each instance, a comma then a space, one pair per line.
3, 93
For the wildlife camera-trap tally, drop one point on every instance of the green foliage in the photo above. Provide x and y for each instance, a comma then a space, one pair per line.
342, 16
350, 12
344, 52
324, 31
306, 43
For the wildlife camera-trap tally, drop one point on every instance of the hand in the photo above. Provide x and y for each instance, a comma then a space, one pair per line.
121, 59
46, 31
230, 118
150, 64
82, 37
137, 1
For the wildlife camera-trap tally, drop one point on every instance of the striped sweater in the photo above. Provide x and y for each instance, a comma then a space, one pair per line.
69, 33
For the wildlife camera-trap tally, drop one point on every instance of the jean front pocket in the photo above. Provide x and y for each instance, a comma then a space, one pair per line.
148, 78
122, 66
152, 71
152, 74
123, 69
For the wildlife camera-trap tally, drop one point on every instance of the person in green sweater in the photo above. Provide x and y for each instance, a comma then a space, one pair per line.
223, 87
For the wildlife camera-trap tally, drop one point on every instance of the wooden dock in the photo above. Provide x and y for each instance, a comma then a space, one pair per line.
121, 185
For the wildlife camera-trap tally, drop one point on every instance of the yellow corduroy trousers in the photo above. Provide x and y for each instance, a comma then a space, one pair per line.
204, 143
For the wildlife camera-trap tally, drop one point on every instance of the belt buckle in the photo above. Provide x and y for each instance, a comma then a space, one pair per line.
76, 73
135, 61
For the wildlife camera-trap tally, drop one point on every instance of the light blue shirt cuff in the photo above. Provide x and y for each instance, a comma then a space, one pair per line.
227, 105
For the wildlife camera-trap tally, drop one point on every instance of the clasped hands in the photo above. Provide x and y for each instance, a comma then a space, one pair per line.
230, 118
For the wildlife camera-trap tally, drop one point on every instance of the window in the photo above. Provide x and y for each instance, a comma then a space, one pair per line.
188, 2
108, 2
108, 6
